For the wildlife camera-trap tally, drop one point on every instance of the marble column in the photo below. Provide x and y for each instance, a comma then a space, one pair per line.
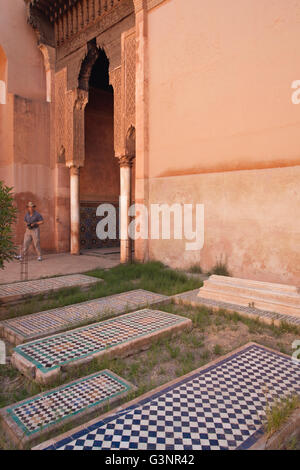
75, 210
125, 201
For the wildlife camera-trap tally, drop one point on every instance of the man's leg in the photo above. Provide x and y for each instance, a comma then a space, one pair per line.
36, 241
27, 243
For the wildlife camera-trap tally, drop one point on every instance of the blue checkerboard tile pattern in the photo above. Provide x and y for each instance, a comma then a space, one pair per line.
221, 407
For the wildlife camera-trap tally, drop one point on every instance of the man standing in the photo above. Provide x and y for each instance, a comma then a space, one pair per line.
33, 221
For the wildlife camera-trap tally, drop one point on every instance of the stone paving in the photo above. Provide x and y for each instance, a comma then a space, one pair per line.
218, 407
59, 264
45, 359
19, 290
20, 329
192, 298
27, 421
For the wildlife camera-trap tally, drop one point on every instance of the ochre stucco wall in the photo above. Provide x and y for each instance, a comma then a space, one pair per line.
220, 76
33, 170
26, 76
100, 176
25, 162
251, 219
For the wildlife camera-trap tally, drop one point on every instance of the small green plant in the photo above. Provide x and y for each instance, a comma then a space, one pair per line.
218, 350
220, 269
173, 351
292, 444
202, 318
8, 215
278, 413
205, 355
195, 269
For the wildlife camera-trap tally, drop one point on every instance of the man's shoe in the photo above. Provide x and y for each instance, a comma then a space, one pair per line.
40, 258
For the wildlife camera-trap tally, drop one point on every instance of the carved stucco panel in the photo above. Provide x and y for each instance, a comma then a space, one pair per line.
60, 111
76, 101
69, 110
116, 81
129, 80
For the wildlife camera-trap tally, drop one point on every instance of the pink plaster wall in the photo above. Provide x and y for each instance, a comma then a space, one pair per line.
26, 76
25, 162
220, 76
248, 222
32, 170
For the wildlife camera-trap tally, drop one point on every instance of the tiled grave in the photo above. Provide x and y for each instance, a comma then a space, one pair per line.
21, 329
18, 290
27, 421
220, 406
43, 360
192, 298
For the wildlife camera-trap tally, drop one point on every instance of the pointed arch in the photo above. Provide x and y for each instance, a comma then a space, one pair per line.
130, 142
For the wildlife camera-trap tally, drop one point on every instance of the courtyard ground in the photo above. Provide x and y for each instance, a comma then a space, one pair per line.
61, 263
214, 334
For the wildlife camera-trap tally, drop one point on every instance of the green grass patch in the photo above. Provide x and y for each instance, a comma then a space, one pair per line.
152, 276
220, 269
195, 269
218, 350
279, 412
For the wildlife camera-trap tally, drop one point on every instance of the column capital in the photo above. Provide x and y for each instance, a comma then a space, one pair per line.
81, 99
74, 169
125, 161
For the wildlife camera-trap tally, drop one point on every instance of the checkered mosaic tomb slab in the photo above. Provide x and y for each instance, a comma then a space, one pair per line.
220, 406
15, 291
53, 409
29, 327
123, 333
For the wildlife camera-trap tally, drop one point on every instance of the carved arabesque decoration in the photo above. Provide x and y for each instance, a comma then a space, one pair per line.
87, 65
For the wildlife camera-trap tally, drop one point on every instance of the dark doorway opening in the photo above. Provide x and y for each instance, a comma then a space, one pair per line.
100, 176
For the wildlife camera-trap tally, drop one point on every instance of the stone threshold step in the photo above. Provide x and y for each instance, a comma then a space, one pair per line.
256, 302
30, 420
254, 284
282, 297
46, 359
38, 325
261, 295
17, 291
192, 298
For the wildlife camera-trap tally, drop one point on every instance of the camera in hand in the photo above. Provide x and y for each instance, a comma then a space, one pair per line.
32, 226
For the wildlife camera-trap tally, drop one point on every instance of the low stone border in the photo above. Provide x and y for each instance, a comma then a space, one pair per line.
279, 438
14, 418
